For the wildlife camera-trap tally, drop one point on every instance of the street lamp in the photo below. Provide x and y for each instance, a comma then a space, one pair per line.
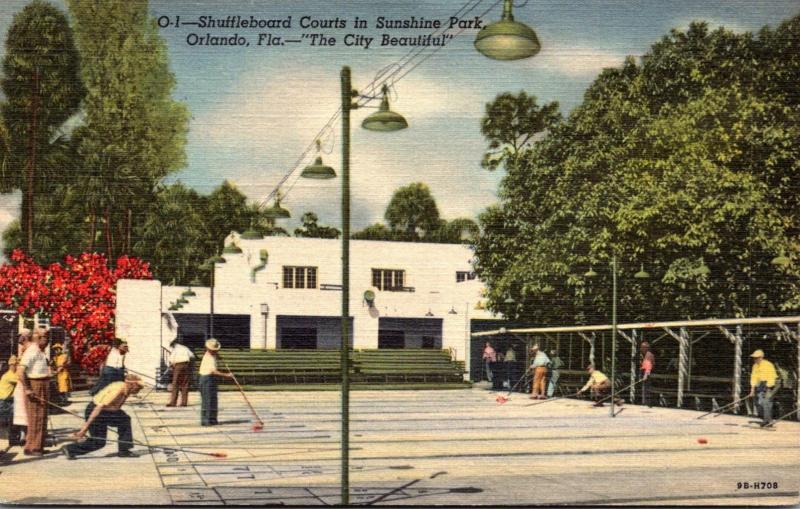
642, 274
507, 39
383, 120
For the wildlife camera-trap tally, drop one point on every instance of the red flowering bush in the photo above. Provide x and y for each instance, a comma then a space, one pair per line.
79, 296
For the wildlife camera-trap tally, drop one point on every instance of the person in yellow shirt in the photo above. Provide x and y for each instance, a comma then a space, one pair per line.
7, 384
763, 386
64, 382
104, 411
208, 383
599, 384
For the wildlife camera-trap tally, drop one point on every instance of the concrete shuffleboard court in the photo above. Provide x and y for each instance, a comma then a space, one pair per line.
420, 447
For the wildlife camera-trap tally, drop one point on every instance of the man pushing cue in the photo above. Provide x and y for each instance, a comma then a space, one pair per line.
599, 384
103, 411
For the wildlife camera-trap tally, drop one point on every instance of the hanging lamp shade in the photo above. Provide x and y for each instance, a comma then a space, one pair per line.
507, 39
643, 274
590, 273
232, 249
384, 120
318, 170
188, 293
173, 307
252, 234
509, 300
276, 211
181, 300
547, 289
781, 261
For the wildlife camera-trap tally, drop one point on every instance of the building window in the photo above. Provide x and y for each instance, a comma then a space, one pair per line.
299, 277
389, 280
464, 275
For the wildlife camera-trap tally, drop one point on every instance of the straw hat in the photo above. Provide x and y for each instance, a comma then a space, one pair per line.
134, 379
757, 354
213, 345
12, 360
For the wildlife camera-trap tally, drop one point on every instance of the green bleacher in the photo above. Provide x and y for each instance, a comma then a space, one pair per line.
320, 369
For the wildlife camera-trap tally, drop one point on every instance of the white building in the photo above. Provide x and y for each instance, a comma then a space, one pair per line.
284, 292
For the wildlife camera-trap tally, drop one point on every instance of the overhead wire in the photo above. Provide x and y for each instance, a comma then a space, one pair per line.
384, 76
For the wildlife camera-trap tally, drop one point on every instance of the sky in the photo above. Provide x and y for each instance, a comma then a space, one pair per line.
255, 110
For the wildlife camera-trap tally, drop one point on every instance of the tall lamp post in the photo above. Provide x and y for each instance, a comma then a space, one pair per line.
642, 274
383, 120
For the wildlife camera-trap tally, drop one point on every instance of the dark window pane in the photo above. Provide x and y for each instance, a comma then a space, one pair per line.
287, 277
300, 277
312, 277
376, 279
399, 279
387, 280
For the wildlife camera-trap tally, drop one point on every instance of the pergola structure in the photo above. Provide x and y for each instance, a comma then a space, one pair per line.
787, 328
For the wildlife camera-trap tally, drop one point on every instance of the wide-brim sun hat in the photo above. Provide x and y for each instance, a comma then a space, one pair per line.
213, 345
757, 354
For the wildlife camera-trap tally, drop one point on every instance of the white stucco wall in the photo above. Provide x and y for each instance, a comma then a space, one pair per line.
429, 268
138, 319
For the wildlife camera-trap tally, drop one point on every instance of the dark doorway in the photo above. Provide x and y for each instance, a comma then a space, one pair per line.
299, 338
410, 332
310, 332
391, 339
233, 331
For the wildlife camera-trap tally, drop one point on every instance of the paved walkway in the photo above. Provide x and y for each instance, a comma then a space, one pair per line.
424, 447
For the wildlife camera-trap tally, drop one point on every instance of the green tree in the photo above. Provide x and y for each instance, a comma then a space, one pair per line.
225, 210
457, 231
682, 163
377, 231
311, 228
42, 90
412, 210
511, 123
133, 133
172, 235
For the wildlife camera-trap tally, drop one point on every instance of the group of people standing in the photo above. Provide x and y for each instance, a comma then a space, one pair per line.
25, 390
25, 393
114, 387
546, 370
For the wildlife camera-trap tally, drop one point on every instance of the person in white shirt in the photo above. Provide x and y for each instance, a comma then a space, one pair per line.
208, 384
34, 377
181, 361
113, 369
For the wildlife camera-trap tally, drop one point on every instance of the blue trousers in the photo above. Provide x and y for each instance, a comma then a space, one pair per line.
764, 402
99, 429
108, 375
208, 400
